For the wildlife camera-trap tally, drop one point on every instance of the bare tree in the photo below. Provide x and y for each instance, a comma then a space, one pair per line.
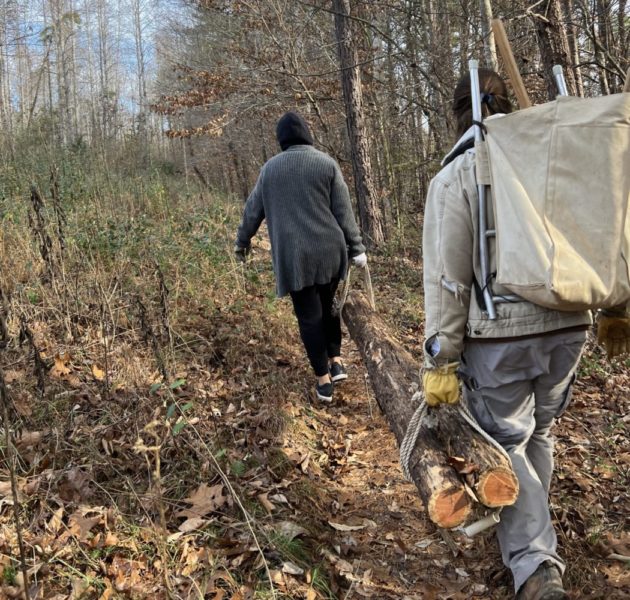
369, 210
489, 47
554, 45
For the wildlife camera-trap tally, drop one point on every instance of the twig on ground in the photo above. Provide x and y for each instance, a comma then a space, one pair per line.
10, 450
621, 557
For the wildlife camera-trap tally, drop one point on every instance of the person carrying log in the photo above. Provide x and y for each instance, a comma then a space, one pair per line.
518, 369
302, 195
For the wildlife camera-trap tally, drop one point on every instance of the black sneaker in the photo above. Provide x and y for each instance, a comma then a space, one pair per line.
338, 372
324, 392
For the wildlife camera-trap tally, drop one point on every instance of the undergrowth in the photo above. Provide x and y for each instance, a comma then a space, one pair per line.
160, 428
131, 365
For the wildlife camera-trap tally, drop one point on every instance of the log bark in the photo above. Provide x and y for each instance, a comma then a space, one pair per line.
445, 442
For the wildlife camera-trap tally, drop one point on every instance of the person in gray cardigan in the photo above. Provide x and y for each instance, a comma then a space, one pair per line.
313, 233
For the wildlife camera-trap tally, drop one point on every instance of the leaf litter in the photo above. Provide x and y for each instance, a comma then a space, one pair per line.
327, 509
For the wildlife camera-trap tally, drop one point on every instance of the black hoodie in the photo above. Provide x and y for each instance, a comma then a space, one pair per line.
292, 130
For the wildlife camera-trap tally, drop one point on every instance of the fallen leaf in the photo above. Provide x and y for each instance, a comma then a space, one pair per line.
342, 527
290, 530
60, 369
80, 525
109, 590
98, 373
192, 524
11, 376
126, 573
5, 489
269, 506
205, 500
28, 438
292, 569
55, 522
80, 586
74, 485
280, 498
110, 540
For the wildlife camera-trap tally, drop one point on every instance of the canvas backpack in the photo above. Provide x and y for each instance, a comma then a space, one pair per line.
560, 179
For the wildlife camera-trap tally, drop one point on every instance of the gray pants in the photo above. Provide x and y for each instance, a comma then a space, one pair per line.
515, 390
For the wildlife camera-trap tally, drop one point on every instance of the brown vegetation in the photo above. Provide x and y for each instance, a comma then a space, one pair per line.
167, 443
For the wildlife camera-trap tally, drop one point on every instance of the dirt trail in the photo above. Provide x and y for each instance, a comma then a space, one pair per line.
380, 543
384, 545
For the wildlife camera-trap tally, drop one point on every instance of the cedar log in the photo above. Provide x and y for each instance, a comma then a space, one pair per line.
444, 434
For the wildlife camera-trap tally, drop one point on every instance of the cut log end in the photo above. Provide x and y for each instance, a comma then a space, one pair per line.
449, 508
497, 487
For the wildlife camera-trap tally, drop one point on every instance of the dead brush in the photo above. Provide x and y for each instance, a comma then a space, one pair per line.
165, 313
159, 431
40, 366
150, 338
38, 224
10, 460
60, 213
4, 315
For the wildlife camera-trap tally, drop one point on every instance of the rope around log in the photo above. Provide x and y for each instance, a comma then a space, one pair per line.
411, 435
413, 429
409, 443
345, 289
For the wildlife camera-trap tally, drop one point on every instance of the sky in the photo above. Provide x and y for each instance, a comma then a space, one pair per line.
27, 22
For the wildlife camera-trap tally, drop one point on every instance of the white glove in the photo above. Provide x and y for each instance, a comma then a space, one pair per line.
360, 260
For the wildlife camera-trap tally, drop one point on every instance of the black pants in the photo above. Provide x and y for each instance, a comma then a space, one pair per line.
319, 328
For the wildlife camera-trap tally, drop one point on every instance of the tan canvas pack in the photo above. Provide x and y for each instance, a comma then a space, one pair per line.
560, 180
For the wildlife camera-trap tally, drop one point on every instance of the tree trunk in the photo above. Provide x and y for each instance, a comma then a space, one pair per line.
369, 210
445, 438
554, 46
141, 75
489, 47
572, 35
602, 42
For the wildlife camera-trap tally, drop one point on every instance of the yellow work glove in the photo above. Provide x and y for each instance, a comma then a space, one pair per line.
441, 385
614, 334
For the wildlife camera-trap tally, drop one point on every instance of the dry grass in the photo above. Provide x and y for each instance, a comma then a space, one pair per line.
166, 445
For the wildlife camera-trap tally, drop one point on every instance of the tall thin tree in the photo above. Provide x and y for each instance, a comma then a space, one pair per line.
369, 210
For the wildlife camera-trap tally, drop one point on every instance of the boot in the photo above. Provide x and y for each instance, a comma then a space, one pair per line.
544, 584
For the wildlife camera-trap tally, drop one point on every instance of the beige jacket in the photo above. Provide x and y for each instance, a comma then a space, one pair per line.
452, 264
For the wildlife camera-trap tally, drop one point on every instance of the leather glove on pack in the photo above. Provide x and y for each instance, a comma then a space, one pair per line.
360, 260
441, 385
614, 334
241, 252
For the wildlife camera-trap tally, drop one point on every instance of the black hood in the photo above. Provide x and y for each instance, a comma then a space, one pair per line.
292, 130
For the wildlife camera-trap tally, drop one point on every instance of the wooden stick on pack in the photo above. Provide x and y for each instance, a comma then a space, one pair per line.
510, 63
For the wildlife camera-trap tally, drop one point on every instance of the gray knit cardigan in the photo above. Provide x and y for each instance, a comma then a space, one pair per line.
312, 230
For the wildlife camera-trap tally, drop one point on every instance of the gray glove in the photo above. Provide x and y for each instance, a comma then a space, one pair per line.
241, 252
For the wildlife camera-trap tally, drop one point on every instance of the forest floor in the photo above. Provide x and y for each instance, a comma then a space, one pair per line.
166, 442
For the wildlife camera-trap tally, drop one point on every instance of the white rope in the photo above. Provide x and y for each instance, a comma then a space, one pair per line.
413, 430
345, 289
464, 411
411, 435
